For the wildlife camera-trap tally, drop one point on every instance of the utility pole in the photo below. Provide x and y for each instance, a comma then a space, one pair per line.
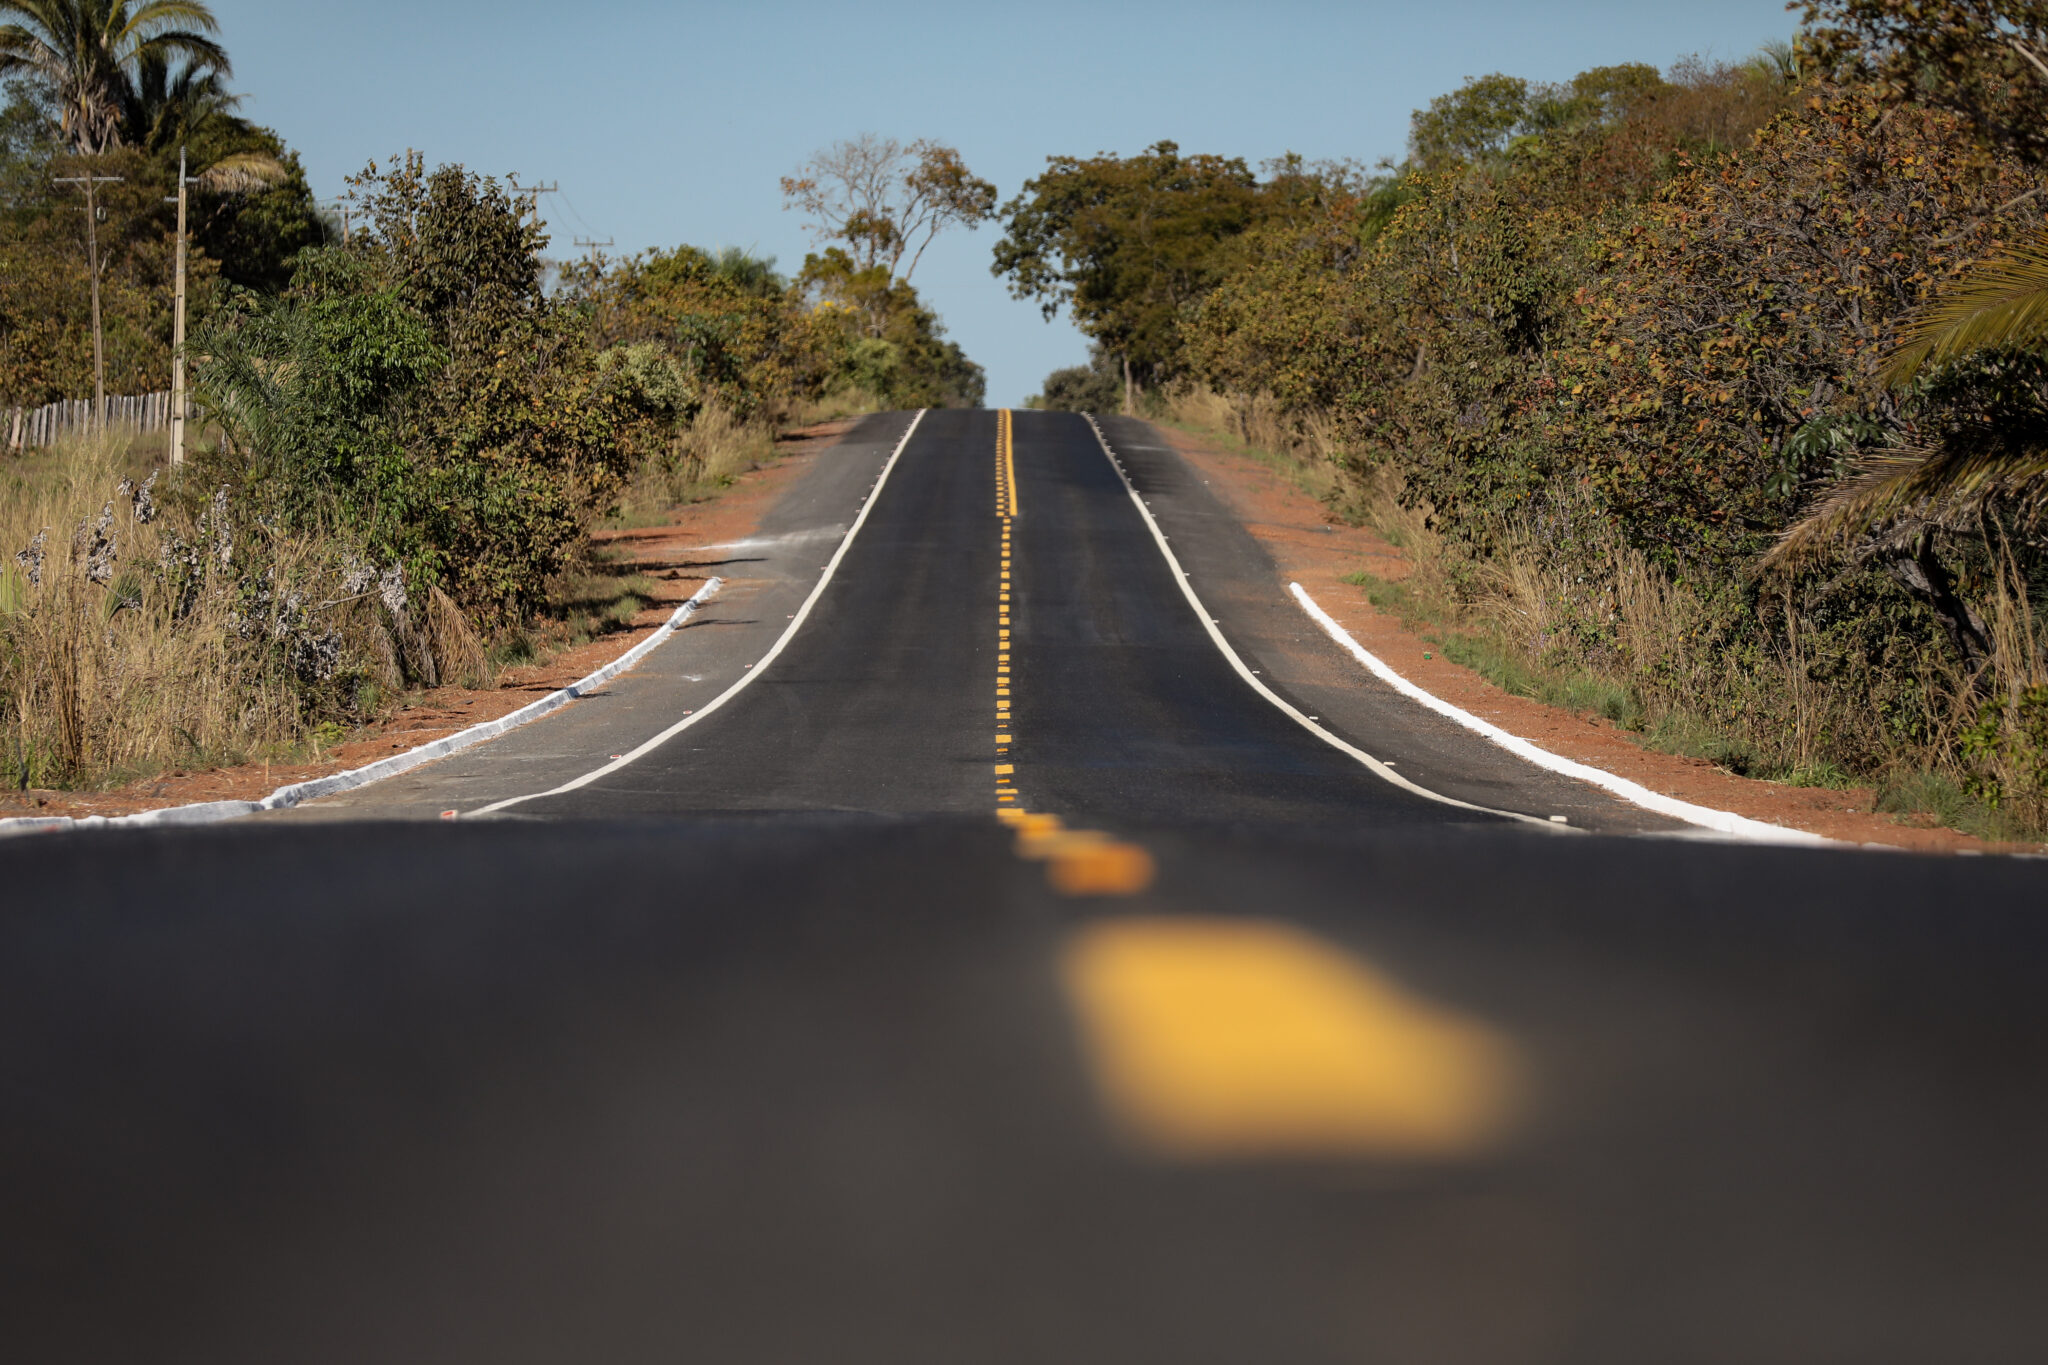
531, 194
178, 327
593, 245
342, 206
92, 251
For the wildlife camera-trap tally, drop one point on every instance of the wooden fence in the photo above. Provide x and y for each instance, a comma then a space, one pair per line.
35, 428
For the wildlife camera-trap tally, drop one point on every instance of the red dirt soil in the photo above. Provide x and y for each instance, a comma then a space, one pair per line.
1316, 552
663, 553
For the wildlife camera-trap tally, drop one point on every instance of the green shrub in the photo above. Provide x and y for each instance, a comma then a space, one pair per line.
419, 394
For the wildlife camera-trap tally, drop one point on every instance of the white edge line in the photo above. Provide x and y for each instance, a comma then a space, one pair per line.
1720, 821
754, 671
208, 812
1252, 679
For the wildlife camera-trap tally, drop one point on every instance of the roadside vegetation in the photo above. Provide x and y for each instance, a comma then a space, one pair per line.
1711, 399
408, 420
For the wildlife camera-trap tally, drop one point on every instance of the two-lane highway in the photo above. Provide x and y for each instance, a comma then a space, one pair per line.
998, 973
1125, 709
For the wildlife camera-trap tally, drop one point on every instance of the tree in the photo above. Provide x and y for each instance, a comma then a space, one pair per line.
1975, 358
1093, 387
883, 199
903, 359
1473, 121
725, 322
167, 107
1975, 354
1127, 243
420, 389
1986, 60
86, 53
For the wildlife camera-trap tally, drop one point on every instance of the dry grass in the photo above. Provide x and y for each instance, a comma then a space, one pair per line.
1304, 447
2017, 685
842, 402
694, 464
105, 668
1621, 639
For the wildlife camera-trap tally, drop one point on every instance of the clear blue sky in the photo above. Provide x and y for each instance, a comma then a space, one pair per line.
667, 123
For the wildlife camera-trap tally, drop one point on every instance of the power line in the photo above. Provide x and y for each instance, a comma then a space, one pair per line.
577, 213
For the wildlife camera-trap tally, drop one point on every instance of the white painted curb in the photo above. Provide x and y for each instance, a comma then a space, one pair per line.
1293, 713
754, 669
208, 812
1720, 821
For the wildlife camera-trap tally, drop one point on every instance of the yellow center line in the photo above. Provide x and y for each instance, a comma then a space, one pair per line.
1078, 862
1225, 1039
1009, 460
1228, 1038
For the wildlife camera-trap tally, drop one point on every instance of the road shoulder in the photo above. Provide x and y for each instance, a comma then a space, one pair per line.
768, 561
661, 555
1288, 536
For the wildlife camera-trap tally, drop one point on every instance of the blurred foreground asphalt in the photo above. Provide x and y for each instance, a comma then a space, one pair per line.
815, 1088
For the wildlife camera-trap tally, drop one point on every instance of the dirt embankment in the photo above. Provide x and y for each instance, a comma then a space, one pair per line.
1312, 550
664, 554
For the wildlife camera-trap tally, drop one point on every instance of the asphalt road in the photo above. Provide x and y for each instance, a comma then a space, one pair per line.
779, 1043
1121, 706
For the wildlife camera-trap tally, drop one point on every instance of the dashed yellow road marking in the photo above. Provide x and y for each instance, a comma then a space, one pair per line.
1220, 1038
1217, 1038
1078, 862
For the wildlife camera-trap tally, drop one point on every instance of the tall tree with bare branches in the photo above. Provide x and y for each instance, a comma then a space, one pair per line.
885, 200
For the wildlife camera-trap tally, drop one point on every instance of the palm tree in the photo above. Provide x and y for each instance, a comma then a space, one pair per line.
2001, 304
87, 53
167, 108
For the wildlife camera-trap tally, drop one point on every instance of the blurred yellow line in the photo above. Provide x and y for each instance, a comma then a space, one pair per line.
1230, 1038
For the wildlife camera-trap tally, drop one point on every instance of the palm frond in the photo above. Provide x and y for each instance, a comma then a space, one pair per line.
240, 382
1931, 484
23, 50
242, 173
88, 52
2001, 301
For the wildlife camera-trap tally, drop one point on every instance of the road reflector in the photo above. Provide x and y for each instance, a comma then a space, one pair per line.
1236, 1038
